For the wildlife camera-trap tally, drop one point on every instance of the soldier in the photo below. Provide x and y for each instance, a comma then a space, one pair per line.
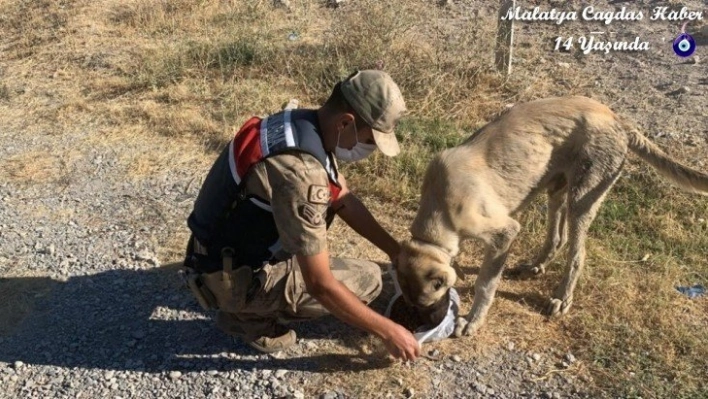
258, 251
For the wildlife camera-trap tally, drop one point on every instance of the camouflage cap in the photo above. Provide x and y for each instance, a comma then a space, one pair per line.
377, 99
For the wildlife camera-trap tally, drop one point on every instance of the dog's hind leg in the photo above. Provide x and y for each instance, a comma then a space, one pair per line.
585, 198
556, 235
498, 240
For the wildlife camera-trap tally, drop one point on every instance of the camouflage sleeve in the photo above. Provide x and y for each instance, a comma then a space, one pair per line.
300, 193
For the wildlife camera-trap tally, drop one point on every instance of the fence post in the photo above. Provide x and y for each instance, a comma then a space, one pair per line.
505, 37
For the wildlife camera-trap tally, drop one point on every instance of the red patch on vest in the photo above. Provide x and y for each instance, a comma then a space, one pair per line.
247, 146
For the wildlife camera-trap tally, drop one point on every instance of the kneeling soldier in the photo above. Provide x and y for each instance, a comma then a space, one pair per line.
258, 251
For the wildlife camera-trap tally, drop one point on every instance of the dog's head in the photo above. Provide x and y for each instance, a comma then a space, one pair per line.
425, 276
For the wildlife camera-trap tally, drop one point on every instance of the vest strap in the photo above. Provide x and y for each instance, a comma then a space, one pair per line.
227, 257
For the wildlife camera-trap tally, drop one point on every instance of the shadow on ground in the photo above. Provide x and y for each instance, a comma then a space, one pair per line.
143, 320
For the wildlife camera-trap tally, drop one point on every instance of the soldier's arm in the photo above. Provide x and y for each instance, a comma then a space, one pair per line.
354, 213
300, 216
343, 304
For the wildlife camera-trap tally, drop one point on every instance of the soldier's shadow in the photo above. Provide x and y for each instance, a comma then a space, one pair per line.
144, 320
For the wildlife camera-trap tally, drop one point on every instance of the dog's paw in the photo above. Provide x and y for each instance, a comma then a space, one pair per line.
460, 324
525, 271
465, 328
556, 307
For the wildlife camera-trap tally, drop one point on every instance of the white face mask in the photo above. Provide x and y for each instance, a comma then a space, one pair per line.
357, 153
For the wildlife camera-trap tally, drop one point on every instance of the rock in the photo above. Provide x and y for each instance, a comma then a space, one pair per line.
456, 358
536, 357
564, 65
18, 364
409, 392
569, 358
334, 3
280, 373
109, 375
212, 372
510, 346
481, 388
329, 395
298, 395
175, 375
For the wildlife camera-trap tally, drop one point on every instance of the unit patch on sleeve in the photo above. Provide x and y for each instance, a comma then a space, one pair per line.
310, 214
318, 194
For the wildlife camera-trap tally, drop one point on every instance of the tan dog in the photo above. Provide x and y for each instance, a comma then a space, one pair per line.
573, 148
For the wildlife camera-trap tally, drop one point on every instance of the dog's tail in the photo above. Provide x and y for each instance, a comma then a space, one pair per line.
684, 177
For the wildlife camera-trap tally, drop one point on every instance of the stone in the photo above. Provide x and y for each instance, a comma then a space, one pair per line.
329, 395
569, 358
334, 3
281, 3
481, 388
175, 375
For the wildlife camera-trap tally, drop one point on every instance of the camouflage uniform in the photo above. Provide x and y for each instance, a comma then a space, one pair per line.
283, 295
269, 196
293, 190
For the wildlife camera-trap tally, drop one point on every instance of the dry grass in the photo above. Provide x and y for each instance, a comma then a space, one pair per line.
164, 83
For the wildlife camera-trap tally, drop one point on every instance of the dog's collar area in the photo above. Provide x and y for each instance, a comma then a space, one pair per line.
438, 247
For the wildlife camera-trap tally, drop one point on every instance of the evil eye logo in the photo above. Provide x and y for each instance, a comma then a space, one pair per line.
684, 45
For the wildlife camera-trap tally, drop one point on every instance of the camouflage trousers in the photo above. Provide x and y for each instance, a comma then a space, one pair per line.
283, 297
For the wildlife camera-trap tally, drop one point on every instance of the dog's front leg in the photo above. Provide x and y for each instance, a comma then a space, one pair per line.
498, 243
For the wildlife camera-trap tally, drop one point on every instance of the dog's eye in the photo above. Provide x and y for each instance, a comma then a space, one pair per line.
438, 284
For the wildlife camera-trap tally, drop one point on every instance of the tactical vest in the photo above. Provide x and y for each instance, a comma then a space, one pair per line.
228, 217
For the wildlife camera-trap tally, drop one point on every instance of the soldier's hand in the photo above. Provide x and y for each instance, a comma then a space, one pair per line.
400, 343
